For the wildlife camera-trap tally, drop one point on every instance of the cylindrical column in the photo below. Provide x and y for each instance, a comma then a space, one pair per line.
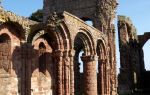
90, 75
72, 53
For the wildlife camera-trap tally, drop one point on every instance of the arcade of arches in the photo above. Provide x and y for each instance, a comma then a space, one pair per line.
41, 58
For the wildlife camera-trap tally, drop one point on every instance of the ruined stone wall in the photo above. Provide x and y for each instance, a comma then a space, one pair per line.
42, 56
145, 74
44, 73
5, 65
10, 76
101, 12
130, 70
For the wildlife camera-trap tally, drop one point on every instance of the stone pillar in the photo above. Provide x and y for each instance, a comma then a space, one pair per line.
66, 73
72, 53
90, 75
27, 55
107, 77
101, 75
58, 55
24, 77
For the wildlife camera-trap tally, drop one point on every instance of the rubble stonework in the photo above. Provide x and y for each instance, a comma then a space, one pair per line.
42, 58
101, 12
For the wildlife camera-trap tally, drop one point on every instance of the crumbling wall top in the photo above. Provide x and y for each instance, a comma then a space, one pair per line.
132, 32
6, 16
125, 19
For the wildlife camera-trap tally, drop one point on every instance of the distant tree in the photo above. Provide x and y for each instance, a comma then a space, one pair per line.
0, 1
37, 16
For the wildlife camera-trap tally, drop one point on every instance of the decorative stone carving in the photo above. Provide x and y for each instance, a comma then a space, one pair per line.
106, 11
53, 21
89, 58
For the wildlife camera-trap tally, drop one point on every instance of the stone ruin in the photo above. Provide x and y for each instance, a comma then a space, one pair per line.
133, 78
42, 58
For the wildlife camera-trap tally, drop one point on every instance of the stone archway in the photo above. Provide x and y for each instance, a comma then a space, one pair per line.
102, 68
44, 76
44, 72
84, 81
10, 35
5, 63
143, 40
58, 42
5, 51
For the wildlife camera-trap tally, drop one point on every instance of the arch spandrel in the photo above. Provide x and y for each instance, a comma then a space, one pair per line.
34, 30
75, 25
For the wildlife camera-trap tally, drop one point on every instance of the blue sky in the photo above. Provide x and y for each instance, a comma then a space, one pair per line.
22, 7
137, 10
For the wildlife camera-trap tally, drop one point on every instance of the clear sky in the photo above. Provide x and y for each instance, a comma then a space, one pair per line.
137, 10
22, 7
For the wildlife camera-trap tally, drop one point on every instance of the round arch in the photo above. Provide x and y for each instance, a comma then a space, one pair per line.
144, 38
83, 44
5, 47
57, 39
33, 31
144, 41
11, 34
101, 66
14, 28
88, 40
101, 49
60, 35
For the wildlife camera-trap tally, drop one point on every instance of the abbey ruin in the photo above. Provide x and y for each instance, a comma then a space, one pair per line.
133, 78
42, 58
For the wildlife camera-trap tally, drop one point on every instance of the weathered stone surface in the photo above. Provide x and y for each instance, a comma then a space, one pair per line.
42, 58
133, 78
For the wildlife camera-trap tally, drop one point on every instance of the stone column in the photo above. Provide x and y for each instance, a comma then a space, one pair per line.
101, 76
66, 73
107, 77
90, 75
23, 71
72, 53
58, 55
27, 53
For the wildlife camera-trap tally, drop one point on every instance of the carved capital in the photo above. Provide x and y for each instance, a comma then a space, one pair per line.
102, 61
53, 21
89, 58
71, 53
58, 53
